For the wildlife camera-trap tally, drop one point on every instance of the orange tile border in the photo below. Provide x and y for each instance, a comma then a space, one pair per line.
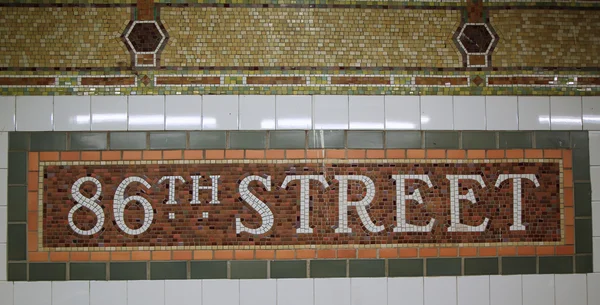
140, 255
326, 253
568, 158
428, 252
203, 254
367, 253
507, 250
99, 256
172, 155
567, 178
80, 256
552, 153
315, 154
32, 221
90, 156
161, 255
223, 254
133, 155
435, 154
111, 155
475, 154
375, 154
456, 154
306, 254
255, 154
275, 154
285, 254
388, 253
346, 253
234, 154
565, 250
120, 256
49, 156
568, 196
32, 244
182, 255
514, 153
544, 250
264, 254
467, 251
335, 153
152, 155
32, 181
408, 252
495, 154
356, 153
395, 153
70, 156
38, 256
33, 161
294, 153
59, 256
448, 252
525, 250
243, 254
32, 201
193, 154
534, 153
214, 154
415, 153
488, 251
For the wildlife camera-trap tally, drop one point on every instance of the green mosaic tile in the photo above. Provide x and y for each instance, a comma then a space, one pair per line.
17, 242
127, 271
405, 267
87, 271
365, 139
443, 266
583, 236
288, 269
367, 268
583, 199
519, 265
515, 139
209, 270
168, 140
581, 165
47, 271
481, 266
168, 270
441, 139
248, 269
287, 139
580, 140
18, 141
88, 141
48, 141
403, 139
128, 140
478, 140
208, 140
16, 272
556, 264
17, 167
326, 139
247, 139
17, 203
584, 263
327, 268
552, 139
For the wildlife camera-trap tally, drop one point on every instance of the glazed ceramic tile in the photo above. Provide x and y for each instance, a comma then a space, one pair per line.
473, 290
506, 289
108, 292
570, 289
368, 291
258, 292
333, 291
440, 290
405, 289
295, 291
565, 113
146, 113
145, 292
330, 112
220, 112
402, 113
534, 112
109, 113
218, 292
183, 112
71, 293
257, 112
23, 293
591, 112
71, 113
7, 113
34, 113
501, 113
293, 112
366, 112
436, 113
538, 289
469, 113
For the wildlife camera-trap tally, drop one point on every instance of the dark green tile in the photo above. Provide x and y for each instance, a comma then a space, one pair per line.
365, 139
47, 271
127, 140
481, 266
248, 140
249, 269
515, 139
168, 270
287, 139
17, 167
583, 236
88, 141
48, 141
581, 165
208, 139
556, 264
443, 266
18, 141
87, 271
17, 203
441, 139
552, 139
288, 269
580, 140
209, 270
17, 242
403, 139
17, 272
367, 268
478, 140
583, 199
168, 140
405, 267
518, 265
584, 264
328, 268
127, 271
326, 139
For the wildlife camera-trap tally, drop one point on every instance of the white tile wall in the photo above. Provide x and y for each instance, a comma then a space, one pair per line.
293, 112
183, 292
405, 290
332, 291
145, 292
506, 289
330, 112
469, 113
109, 112
366, 112
71, 293
7, 113
565, 113
367, 291
570, 289
72, 113
220, 292
3, 224
538, 289
591, 112
436, 112
111, 292
34, 113
3, 274
6, 293
254, 292
502, 112
473, 290
295, 291
257, 112
593, 293
534, 112
183, 112
3, 149
32, 293
402, 112
146, 112
220, 112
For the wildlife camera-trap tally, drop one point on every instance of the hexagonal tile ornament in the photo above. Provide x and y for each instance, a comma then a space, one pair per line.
476, 42
145, 38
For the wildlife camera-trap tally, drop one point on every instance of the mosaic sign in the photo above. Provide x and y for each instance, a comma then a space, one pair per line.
273, 204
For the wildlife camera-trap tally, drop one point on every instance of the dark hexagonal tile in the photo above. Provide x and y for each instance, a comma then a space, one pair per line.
476, 38
145, 37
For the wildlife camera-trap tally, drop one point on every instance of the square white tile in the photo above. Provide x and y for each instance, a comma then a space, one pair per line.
469, 112
565, 113
473, 290
591, 112
293, 112
146, 112
295, 291
258, 292
2, 267
108, 292
366, 112
402, 112
332, 291
3, 149
220, 292
405, 290
501, 113
330, 112
436, 112
24, 293
257, 112
34, 113
3, 223
71, 293
595, 179
440, 290
109, 112
596, 218
183, 112
506, 289
367, 291
593, 293
594, 139
570, 289
7, 113
534, 113
220, 112
538, 289
72, 113
183, 292
145, 292
6, 293
596, 251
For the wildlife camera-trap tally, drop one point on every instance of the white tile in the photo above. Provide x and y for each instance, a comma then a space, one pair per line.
595, 179
258, 292
220, 112
145, 292
3, 223
3, 186
7, 113
3, 149
591, 112
295, 291
367, 291
436, 112
538, 289
71, 113
405, 290
440, 290
501, 113
402, 112
596, 251
293, 112
70, 293
505, 289
332, 291
146, 112
257, 112
565, 113
108, 292
473, 290
109, 112
32, 293
2, 265
570, 289
330, 112
34, 113
183, 112
594, 139
220, 292
366, 112
183, 292
534, 112
593, 293
596, 218
6, 293
469, 112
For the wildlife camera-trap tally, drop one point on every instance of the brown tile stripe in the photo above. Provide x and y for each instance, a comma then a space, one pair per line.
27, 81
441, 81
145, 9
350, 80
145, 59
478, 60
588, 80
519, 80
275, 80
475, 10
182, 80
108, 81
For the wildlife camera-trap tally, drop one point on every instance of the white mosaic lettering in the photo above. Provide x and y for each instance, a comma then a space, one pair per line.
265, 213
214, 189
517, 205
121, 202
361, 206
401, 200
455, 224
172, 180
89, 203
304, 198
